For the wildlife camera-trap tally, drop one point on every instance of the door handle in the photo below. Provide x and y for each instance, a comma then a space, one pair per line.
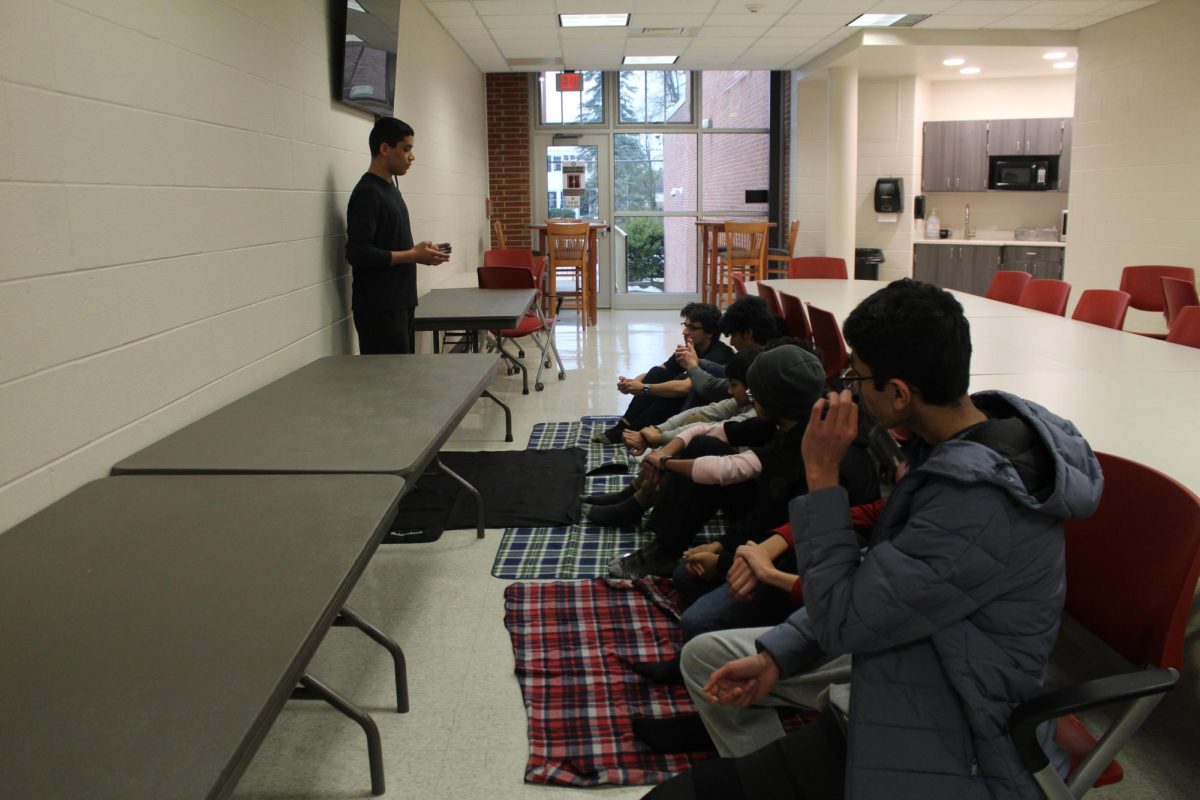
956, 183
947, 182
1026, 145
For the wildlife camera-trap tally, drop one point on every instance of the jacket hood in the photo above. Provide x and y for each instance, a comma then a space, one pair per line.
1039, 458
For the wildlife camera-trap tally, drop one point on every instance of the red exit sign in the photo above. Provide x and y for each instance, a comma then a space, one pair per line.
570, 82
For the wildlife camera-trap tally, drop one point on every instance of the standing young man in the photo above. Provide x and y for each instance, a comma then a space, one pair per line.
379, 245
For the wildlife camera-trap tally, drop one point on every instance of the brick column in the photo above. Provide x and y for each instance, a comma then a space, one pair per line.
508, 135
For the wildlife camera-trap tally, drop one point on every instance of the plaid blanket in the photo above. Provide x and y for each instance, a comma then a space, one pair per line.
558, 435
582, 550
572, 643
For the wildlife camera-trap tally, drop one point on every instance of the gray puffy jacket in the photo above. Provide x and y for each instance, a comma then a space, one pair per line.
952, 610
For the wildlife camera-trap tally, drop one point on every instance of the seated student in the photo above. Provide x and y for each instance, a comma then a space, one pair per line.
702, 474
749, 324
626, 507
951, 611
660, 392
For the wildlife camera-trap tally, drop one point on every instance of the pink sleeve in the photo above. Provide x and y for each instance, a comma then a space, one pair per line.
736, 468
714, 429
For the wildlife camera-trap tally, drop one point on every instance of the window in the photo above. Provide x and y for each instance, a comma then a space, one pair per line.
572, 108
654, 171
655, 97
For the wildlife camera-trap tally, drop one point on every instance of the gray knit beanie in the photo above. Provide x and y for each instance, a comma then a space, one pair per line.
786, 380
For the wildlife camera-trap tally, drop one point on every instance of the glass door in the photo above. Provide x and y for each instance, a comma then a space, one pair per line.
571, 180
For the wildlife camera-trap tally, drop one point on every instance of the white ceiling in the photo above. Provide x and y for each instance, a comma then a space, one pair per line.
523, 35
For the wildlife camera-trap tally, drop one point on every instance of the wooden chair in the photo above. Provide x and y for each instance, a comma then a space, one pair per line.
1046, 294
498, 233
567, 243
777, 255
794, 317
828, 267
1177, 295
745, 254
1105, 307
1007, 285
1186, 327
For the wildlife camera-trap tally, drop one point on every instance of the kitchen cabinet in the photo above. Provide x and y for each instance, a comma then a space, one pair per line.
1064, 161
1025, 137
1040, 262
955, 156
967, 268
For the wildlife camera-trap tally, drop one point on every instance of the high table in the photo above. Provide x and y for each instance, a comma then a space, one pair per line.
153, 626
591, 275
1130, 395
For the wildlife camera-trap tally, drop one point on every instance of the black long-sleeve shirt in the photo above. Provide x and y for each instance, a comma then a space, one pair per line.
376, 224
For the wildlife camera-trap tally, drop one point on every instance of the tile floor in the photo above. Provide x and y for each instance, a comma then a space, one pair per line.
465, 735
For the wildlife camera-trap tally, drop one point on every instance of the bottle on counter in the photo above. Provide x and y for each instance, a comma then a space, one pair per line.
932, 225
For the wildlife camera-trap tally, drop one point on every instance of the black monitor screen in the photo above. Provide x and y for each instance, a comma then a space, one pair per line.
367, 41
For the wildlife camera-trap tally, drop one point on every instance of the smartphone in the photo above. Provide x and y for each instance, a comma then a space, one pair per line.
445, 248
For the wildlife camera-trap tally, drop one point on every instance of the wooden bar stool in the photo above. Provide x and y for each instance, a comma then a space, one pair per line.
778, 258
745, 254
569, 256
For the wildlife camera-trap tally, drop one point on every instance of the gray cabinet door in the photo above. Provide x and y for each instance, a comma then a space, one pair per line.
971, 156
937, 167
1043, 137
984, 261
925, 262
1006, 137
1040, 262
1064, 161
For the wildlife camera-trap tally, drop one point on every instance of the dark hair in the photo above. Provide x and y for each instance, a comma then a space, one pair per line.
915, 332
739, 364
706, 315
803, 344
389, 130
750, 313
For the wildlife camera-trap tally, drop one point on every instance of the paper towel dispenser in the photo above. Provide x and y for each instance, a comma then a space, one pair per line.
889, 195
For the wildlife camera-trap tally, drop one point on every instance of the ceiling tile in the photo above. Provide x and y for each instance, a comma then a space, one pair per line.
521, 21
802, 31
958, 21
987, 6
594, 34
471, 36
594, 6
1125, 6
1071, 8
451, 8
1077, 23
744, 20
506, 7
768, 6
732, 46
913, 6
655, 47
851, 7
669, 6
642, 20
471, 23
830, 20
517, 35
1029, 22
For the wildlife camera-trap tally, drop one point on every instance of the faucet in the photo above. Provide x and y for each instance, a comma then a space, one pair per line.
967, 234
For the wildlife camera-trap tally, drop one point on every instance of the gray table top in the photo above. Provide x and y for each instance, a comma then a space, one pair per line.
153, 626
384, 414
472, 309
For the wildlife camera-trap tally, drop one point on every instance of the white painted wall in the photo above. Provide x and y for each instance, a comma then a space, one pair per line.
173, 181
809, 200
1136, 155
1003, 98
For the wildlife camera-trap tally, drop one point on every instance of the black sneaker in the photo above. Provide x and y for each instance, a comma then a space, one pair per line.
609, 499
625, 514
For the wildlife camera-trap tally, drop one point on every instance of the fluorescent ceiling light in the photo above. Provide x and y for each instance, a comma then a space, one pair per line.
1064, 65
875, 20
1054, 55
353, 6
350, 37
954, 62
970, 70
650, 60
593, 20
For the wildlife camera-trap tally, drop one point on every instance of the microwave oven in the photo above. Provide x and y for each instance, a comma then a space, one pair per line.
1032, 174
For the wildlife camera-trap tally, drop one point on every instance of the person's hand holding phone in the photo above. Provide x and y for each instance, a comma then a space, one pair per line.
426, 253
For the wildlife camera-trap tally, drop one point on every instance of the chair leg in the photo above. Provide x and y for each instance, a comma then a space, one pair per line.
352, 619
320, 690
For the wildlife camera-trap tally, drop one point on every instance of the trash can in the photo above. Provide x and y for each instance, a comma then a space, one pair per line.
866, 263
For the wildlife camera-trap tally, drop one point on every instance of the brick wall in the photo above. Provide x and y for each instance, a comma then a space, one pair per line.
510, 183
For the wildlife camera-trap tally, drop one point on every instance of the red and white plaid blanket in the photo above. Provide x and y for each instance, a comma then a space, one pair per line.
573, 642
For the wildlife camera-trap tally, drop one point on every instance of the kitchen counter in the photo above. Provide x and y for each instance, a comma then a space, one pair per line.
1000, 242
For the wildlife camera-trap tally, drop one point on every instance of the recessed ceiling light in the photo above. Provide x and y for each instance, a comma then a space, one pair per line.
650, 59
593, 20
1064, 65
353, 6
954, 62
1054, 55
886, 20
970, 70
350, 37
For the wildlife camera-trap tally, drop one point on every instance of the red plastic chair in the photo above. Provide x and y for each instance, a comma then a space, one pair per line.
739, 285
1186, 327
828, 337
1007, 285
1131, 577
768, 293
1105, 307
1046, 294
515, 257
817, 267
1145, 287
794, 317
534, 324
1177, 295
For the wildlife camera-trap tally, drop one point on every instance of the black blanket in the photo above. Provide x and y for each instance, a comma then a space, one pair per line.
520, 488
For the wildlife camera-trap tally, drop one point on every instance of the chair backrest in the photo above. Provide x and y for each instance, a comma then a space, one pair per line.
498, 230
746, 245
1177, 295
1007, 285
828, 337
768, 293
1105, 307
739, 285
1144, 286
793, 234
817, 267
1186, 327
1132, 566
508, 257
794, 316
1046, 294
504, 277
567, 243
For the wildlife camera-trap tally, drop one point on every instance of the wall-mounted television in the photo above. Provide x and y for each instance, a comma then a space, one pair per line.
363, 51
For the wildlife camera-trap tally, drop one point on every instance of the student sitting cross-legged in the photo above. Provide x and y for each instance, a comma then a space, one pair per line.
950, 612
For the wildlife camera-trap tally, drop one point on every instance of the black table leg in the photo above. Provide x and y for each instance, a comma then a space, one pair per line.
318, 690
352, 619
437, 461
507, 413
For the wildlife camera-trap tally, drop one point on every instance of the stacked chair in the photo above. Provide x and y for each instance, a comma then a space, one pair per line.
1144, 285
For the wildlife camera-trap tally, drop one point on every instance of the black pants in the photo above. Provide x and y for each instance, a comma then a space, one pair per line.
684, 505
385, 332
809, 764
645, 410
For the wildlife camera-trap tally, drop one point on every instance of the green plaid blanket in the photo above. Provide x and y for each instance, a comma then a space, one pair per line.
558, 435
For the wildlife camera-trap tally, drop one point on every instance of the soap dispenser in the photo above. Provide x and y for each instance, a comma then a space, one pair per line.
932, 225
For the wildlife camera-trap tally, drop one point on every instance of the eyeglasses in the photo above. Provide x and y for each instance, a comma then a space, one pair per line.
852, 380
691, 326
